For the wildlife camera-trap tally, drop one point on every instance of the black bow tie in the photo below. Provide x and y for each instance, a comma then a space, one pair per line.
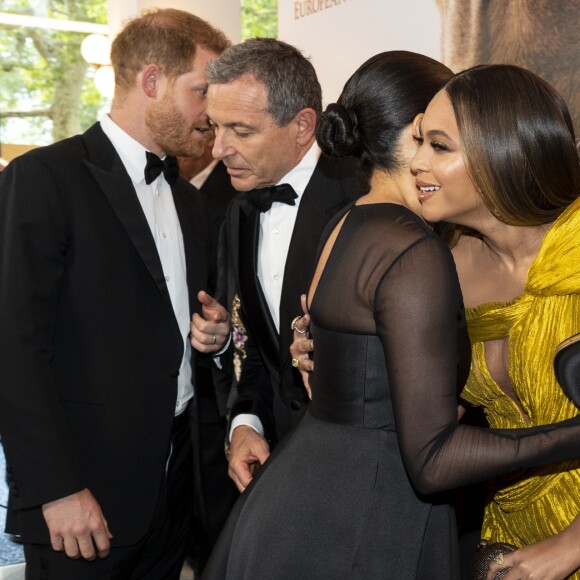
264, 198
155, 166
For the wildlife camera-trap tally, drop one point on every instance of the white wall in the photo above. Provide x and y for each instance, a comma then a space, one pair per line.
339, 35
223, 14
118, 12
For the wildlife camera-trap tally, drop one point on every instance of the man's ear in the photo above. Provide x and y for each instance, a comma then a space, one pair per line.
306, 125
150, 77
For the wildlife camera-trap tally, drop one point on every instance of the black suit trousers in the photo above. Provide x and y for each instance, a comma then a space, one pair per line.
157, 556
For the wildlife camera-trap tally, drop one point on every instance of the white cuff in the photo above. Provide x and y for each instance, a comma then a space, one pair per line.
216, 357
249, 420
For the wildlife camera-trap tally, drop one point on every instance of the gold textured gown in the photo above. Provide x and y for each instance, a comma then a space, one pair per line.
532, 504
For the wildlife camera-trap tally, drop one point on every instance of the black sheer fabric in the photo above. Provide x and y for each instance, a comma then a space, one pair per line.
389, 276
355, 491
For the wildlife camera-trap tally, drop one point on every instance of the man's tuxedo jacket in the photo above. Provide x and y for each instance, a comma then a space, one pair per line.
213, 387
90, 348
217, 191
269, 386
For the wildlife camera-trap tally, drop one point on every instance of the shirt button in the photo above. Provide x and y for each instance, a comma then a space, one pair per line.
167, 278
276, 277
163, 235
276, 231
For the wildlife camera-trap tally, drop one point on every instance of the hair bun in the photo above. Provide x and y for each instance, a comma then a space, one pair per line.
337, 131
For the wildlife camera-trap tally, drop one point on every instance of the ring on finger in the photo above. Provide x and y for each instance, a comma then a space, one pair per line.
214, 339
499, 559
294, 327
296, 361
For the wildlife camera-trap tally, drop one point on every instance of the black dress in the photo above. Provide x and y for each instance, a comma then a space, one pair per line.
355, 490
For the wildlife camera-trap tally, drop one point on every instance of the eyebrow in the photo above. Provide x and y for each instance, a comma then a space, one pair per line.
232, 124
437, 133
236, 124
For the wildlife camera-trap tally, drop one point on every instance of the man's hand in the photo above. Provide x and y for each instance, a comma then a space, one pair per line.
303, 345
209, 331
77, 526
247, 447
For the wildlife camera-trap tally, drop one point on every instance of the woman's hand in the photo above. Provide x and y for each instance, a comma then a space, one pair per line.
303, 345
555, 558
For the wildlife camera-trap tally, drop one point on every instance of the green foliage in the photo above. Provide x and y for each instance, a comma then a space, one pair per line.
259, 18
83, 10
35, 64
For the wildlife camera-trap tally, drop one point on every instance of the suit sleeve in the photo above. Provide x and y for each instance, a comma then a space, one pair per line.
254, 390
33, 253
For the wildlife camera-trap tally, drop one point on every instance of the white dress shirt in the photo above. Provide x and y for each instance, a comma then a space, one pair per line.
156, 200
276, 227
199, 179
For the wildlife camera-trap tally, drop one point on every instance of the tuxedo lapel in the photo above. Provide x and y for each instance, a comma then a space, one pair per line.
111, 176
334, 183
257, 313
322, 198
214, 183
189, 208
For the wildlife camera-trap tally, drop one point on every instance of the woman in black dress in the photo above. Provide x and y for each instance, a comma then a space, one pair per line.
357, 489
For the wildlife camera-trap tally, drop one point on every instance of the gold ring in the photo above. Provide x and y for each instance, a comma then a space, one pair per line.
296, 361
293, 326
499, 559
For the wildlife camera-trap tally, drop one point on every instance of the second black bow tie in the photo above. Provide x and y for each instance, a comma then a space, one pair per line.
155, 166
264, 198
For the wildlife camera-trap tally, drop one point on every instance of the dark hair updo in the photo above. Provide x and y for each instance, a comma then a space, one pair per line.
377, 103
337, 131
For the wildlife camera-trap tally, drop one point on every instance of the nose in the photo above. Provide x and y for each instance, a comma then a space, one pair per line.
221, 148
419, 162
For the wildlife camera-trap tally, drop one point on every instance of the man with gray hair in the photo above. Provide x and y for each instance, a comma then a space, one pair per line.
263, 101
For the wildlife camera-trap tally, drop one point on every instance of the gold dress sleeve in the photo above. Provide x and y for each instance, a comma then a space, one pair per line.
533, 504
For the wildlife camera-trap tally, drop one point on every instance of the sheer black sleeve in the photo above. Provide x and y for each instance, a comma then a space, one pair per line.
417, 304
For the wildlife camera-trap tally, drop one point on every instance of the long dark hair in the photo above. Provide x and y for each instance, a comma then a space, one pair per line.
518, 141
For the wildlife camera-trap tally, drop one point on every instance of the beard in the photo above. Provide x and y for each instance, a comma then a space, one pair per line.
172, 132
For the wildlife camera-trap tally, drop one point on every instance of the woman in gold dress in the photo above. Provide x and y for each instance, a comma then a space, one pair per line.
497, 156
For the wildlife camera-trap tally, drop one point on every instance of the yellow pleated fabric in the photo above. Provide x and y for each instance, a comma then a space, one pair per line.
537, 503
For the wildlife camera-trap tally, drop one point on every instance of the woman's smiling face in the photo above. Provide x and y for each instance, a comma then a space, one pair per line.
445, 188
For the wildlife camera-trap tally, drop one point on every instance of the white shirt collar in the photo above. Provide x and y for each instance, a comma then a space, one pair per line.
131, 152
299, 176
199, 179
